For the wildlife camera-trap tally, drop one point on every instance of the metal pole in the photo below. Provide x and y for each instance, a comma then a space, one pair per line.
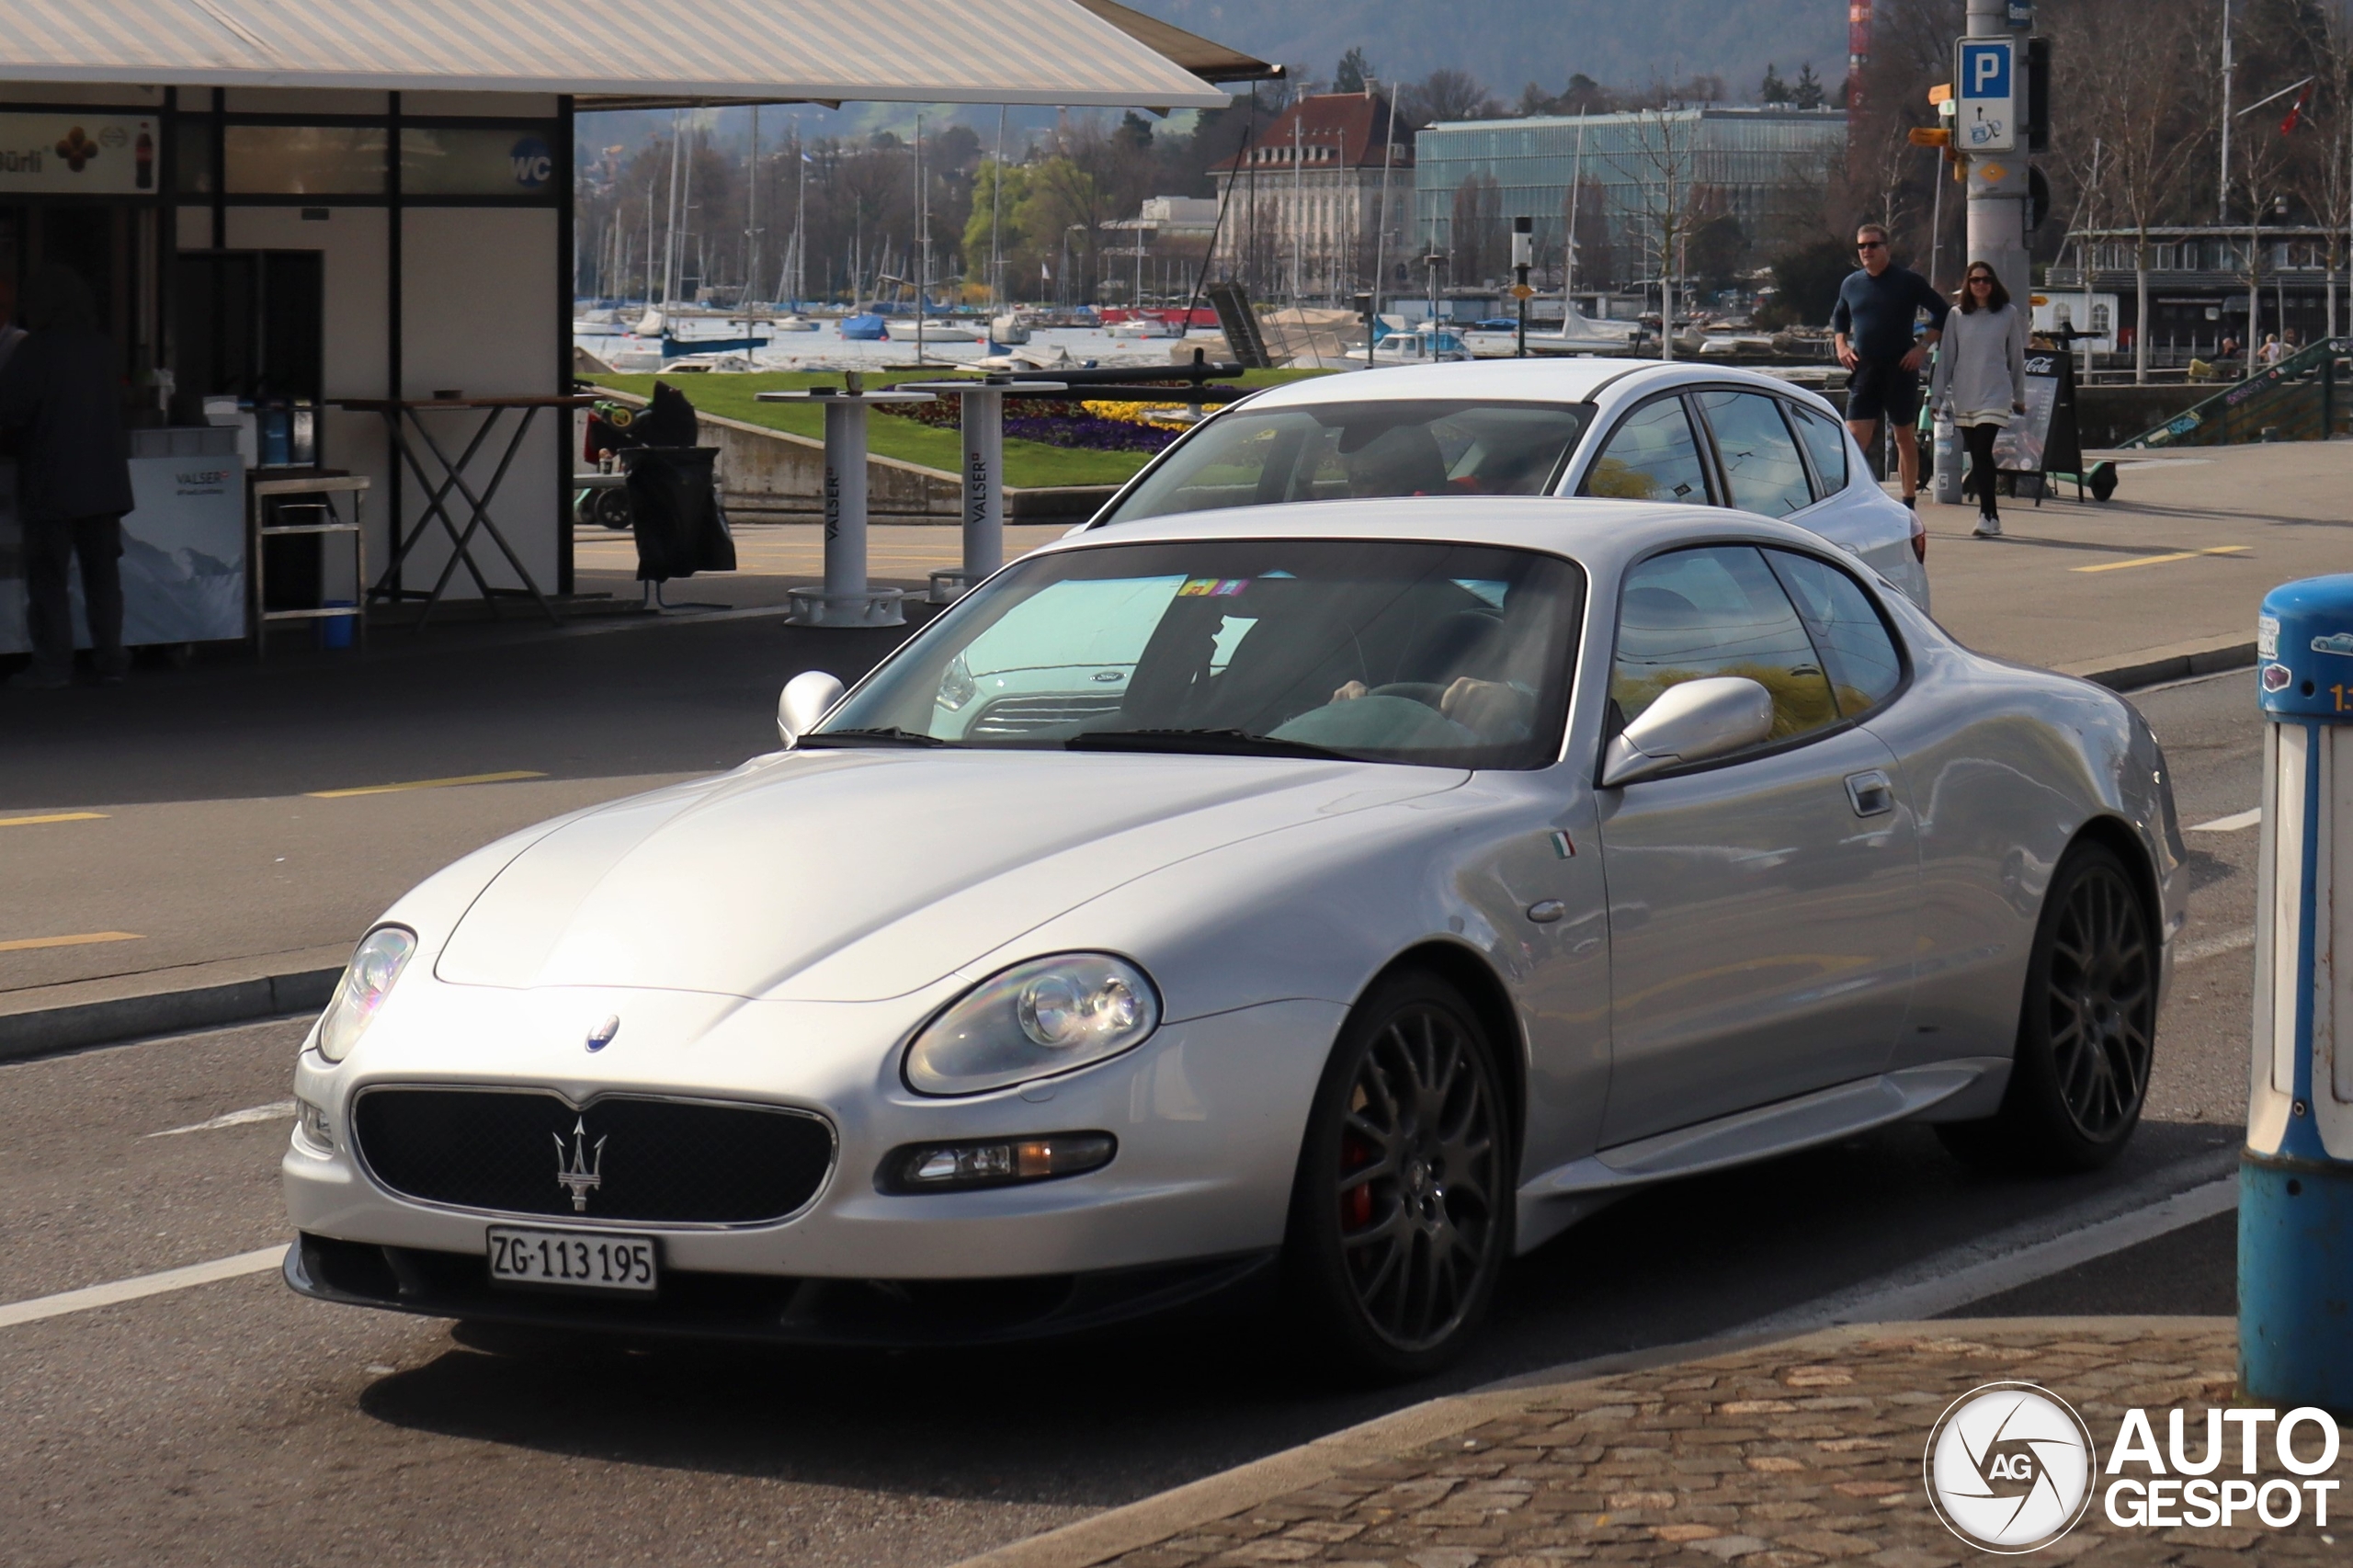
923, 239
1997, 209
752, 221
996, 216
2223, 186
1381, 226
1298, 208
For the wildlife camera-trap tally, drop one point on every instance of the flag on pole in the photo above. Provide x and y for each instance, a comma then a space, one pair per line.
2296, 110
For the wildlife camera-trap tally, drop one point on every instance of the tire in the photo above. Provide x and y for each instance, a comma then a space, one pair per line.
1400, 1214
2087, 1028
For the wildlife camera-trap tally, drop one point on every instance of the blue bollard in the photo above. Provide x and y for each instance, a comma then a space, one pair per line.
2296, 1173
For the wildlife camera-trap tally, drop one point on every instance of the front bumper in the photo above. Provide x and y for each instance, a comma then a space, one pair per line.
1208, 1114
882, 1314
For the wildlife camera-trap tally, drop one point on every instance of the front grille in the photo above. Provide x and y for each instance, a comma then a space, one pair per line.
1009, 717
662, 1161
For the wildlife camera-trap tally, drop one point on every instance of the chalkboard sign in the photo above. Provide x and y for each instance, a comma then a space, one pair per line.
2044, 439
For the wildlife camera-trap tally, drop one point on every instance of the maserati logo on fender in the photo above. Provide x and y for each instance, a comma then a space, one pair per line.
579, 1170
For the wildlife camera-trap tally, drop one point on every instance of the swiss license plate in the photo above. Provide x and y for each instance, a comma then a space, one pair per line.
584, 1260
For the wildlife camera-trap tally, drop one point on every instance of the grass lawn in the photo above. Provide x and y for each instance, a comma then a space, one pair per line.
1026, 463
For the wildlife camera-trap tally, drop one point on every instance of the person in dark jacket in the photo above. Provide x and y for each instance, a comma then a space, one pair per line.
1873, 323
59, 393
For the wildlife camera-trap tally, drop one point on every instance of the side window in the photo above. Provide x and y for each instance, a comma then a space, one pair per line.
1760, 456
1825, 442
1717, 611
1651, 456
1865, 668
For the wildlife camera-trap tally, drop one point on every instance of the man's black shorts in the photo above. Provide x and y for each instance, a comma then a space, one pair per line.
1884, 388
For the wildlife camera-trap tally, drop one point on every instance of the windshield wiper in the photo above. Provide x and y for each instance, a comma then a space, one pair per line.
1215, 743
892, 736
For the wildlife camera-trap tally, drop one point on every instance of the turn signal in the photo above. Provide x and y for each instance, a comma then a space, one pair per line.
941, 1167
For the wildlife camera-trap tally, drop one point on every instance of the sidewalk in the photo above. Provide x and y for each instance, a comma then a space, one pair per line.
1770, 1456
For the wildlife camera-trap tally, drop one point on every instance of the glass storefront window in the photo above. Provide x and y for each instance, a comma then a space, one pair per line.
305, 160
510, 160
195, 137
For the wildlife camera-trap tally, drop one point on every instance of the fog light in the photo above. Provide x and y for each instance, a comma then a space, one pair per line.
310, 1122
997, 1161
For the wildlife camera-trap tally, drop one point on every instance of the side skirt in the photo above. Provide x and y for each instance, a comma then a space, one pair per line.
1957, 1089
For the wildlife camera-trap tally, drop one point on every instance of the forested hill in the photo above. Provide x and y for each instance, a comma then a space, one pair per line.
1507, 45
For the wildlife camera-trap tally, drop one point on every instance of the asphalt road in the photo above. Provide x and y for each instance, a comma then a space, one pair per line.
233, 1421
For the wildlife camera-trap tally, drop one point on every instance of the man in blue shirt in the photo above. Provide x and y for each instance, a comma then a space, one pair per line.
1877, 305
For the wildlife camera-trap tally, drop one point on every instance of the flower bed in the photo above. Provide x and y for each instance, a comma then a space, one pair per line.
1095, 425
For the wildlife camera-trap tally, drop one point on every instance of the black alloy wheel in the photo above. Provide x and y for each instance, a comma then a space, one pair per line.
2087, 1032
1400, 1214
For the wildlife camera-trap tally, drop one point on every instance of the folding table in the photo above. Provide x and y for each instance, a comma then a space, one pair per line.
403, 418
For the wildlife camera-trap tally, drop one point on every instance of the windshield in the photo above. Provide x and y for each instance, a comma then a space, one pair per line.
1331, 451
1384, 651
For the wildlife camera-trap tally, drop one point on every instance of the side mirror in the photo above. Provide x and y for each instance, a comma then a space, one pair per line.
808, 698
1689, 723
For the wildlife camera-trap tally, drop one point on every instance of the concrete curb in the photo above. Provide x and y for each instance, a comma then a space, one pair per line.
2179, 661
1153, 1520
46, 1031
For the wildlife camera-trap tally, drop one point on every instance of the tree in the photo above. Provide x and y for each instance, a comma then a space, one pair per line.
2323, 180
1135, 131
1773, 90
1476, 247
1447, 94
1805, 284
1349, 75
2130, 75
1809, 92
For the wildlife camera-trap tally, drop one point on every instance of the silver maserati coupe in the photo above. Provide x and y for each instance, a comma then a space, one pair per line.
1340, 896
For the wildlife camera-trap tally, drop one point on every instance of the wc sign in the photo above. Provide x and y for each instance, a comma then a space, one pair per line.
1985, 91
534, 164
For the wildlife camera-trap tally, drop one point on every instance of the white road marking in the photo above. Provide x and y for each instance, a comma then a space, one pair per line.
82, 1300
276, 1111
1992, 1264
2233, 822
2214, 947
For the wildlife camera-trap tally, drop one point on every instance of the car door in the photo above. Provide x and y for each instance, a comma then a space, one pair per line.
1652, 454
1859, 516
1761, 907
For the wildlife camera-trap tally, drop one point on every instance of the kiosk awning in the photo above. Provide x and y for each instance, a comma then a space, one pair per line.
1009, 51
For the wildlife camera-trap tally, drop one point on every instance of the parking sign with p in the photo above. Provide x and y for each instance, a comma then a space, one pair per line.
1985, 82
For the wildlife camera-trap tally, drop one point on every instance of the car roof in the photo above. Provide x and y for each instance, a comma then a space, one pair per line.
1601, 533
1557, 378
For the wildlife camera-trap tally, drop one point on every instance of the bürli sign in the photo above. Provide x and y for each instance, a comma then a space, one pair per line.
95, 154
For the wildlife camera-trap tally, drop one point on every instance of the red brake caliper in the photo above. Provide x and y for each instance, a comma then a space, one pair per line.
1356, 1204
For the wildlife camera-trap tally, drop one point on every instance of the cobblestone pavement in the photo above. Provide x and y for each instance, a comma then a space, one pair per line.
1809, 1451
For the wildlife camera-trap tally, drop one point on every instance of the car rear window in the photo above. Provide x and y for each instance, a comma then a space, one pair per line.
1332, 452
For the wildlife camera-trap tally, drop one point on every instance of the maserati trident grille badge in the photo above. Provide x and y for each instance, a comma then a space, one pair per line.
581, 1170
602, 1035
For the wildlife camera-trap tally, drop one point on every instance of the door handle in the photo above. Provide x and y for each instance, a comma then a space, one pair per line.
1871, 793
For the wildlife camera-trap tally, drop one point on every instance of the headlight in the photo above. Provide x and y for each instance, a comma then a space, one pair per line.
367, 979
1035, 1019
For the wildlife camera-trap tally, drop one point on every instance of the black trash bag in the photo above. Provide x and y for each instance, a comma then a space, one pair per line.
667, 420
674, 512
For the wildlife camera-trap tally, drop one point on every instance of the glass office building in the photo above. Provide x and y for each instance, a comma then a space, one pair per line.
1767, 168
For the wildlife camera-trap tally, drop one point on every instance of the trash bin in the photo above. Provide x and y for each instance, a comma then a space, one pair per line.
2296, 1172
674, 512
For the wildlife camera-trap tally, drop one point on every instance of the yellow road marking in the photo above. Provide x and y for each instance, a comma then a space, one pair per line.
26, 944
2161, 560
54, 816
425, 784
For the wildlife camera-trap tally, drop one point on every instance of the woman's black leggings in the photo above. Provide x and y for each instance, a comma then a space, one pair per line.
1981, 466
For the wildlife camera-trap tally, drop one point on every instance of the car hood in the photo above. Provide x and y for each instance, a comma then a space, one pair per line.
852, 876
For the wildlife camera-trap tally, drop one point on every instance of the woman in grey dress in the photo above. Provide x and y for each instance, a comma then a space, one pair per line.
1981, 378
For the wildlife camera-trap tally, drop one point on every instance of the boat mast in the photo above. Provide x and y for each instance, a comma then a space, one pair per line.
752, 218
996, 216
923, 239
670, 239
799, 219
1569, 243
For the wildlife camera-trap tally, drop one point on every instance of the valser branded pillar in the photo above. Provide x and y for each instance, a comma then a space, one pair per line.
2296, 1173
